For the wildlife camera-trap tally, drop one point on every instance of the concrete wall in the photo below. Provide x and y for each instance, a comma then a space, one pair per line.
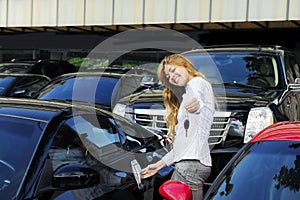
36, 13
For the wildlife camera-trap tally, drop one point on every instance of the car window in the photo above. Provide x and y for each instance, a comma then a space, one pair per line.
266, 170
93, 141
103, 137
100, 131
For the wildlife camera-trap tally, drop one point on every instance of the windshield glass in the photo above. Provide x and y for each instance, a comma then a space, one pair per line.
18, 139
89, 89
233, 67
267, 170
8, 68
30, 82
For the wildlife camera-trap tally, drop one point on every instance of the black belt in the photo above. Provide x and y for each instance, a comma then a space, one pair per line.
183, 160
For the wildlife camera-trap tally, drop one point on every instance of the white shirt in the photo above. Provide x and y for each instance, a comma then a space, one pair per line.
194, 143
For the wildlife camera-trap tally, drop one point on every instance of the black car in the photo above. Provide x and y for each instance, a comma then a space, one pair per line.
104, 87
254, 86
49, 68
23, 78
51, 150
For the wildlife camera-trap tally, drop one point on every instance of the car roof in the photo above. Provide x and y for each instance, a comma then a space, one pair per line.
238, 47
42, 110
116, 69
95, 74
29, 108
3, 75
286, 130
98, 73
50, 68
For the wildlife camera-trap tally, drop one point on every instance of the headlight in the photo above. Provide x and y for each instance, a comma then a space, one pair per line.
258, 119
124, 111
119, 109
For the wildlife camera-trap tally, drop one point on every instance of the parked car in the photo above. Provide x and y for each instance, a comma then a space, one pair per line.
22, 78
254, 86
265, 168
97, 87
49, 68
52, 150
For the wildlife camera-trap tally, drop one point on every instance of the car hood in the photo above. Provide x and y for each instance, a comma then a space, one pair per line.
228, 98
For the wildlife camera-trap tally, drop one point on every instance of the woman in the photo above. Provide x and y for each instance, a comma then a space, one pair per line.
189, 102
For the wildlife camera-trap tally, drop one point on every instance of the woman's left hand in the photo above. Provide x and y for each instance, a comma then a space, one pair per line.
193, 105
152, 169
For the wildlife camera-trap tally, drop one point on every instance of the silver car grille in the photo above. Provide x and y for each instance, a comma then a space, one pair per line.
154, 118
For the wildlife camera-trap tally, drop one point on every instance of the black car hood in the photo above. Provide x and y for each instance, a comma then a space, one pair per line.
229, 97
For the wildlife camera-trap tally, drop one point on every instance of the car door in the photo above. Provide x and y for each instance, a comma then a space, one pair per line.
97, 141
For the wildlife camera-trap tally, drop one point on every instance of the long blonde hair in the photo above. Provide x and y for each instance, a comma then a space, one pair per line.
172, 95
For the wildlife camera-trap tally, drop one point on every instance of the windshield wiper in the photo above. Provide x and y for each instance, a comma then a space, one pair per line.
70, 101
240, 85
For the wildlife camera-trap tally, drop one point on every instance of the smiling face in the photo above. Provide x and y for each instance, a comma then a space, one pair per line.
175, 71
177, 75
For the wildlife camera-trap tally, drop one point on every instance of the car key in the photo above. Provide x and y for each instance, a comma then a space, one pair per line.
186, 125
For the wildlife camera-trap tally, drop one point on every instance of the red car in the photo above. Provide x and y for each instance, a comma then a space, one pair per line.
267, 167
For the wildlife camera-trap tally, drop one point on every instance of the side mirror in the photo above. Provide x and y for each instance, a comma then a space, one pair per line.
71, 176
175, 190
297, 81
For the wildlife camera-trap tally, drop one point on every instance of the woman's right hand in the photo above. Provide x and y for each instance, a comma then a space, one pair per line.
193, 105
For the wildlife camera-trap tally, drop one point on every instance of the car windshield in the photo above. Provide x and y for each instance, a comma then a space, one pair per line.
85, 89
13, 82
102, 90
18, 139
8, 68
266, 170
240, 68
